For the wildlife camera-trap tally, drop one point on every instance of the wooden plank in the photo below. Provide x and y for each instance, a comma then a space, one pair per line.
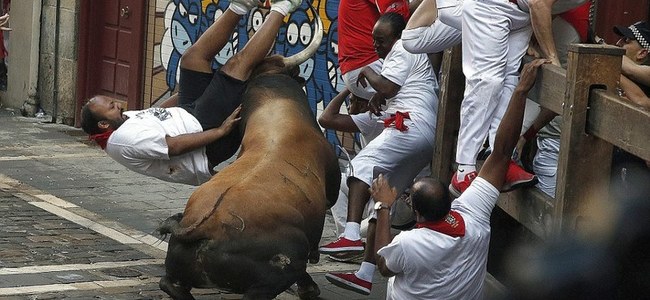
620, 123
584, 162
530, 207
452, 87
549, 88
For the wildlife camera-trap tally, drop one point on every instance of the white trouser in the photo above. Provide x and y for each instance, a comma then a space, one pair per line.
442, 34
350, 79
495, 39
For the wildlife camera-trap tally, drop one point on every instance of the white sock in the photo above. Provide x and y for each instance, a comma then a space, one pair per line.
366, 271
352, 231
464, 170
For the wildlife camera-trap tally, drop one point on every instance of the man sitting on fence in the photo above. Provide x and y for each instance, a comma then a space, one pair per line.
183, 144
403, 148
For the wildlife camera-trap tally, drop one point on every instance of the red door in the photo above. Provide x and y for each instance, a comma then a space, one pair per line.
112, 50
619, 12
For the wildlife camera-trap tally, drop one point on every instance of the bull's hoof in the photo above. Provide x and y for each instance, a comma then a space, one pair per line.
311, 291
175, 290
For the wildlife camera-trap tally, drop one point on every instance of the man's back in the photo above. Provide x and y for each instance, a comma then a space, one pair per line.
356, 19
434, 265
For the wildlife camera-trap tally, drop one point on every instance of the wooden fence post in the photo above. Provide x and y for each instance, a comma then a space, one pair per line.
452, 87
584, 164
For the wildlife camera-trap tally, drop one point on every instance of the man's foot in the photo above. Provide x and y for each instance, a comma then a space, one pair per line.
517, 177
285, 7
456, 187
350, 281
347, 257
342, 245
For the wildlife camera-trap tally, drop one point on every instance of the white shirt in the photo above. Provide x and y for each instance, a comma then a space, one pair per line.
417, 96
559, 6
432, 265
140, 145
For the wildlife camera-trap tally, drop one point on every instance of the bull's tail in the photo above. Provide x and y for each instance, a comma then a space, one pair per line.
172, 224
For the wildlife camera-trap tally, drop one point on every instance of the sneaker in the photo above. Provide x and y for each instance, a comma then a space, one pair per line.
456, 188
346, 257
517, 177
350, 281
342, 245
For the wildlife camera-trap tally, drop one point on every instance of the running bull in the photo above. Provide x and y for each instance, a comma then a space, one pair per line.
254, 226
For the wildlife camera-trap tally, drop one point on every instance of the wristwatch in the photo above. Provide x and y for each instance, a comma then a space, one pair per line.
381, 205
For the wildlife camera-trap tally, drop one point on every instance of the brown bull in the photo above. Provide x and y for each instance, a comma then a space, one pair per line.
252, 228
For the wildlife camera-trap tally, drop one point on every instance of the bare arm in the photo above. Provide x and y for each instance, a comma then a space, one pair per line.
184, 143
496, 165
386, 194
540, 19
634, 93
331, 118
635, 72
382, 85
424, 15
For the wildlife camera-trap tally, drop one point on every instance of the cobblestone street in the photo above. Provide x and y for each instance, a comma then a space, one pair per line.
76, 225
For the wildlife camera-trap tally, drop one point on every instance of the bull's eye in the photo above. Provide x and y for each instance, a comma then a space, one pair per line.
305, 34
292, 34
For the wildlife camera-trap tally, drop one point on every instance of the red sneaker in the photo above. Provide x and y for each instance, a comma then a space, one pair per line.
350, 281
517, 177
342, 245
458, 187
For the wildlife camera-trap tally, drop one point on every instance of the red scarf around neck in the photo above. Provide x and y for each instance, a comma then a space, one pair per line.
452, 225
101, 138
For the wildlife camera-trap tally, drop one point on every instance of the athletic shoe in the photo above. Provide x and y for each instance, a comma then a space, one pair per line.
350, 281
346, 257
456, 188
342, 245
517, 177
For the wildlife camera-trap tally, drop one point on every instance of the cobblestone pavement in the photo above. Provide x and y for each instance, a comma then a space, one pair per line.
76, 225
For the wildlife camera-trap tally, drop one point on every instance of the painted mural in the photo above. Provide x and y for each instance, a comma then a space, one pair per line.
185, 21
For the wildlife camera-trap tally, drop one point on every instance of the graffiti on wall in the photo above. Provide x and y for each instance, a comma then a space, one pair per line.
186, 20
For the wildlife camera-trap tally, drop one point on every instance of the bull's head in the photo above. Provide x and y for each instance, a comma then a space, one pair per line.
288, 65
310, 50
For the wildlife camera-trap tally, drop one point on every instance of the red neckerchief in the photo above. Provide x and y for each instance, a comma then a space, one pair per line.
452, 225
101, 138
398, 119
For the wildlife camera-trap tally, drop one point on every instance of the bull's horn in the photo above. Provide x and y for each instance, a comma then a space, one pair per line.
305, 54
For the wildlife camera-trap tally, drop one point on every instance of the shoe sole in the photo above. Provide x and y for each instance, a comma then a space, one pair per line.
344, 284
520, 184
453, 191
352, 258
340, 250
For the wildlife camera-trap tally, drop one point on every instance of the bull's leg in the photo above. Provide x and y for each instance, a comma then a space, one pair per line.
307, 288
175, 289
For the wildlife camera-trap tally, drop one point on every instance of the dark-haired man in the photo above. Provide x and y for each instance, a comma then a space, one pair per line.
404, 147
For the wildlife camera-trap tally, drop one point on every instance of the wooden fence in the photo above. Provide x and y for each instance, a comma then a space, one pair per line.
595, 119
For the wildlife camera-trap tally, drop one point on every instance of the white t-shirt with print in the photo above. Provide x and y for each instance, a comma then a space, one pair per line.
417, 96
432, 265
140, 145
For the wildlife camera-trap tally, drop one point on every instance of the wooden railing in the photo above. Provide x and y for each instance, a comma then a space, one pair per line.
595, 119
